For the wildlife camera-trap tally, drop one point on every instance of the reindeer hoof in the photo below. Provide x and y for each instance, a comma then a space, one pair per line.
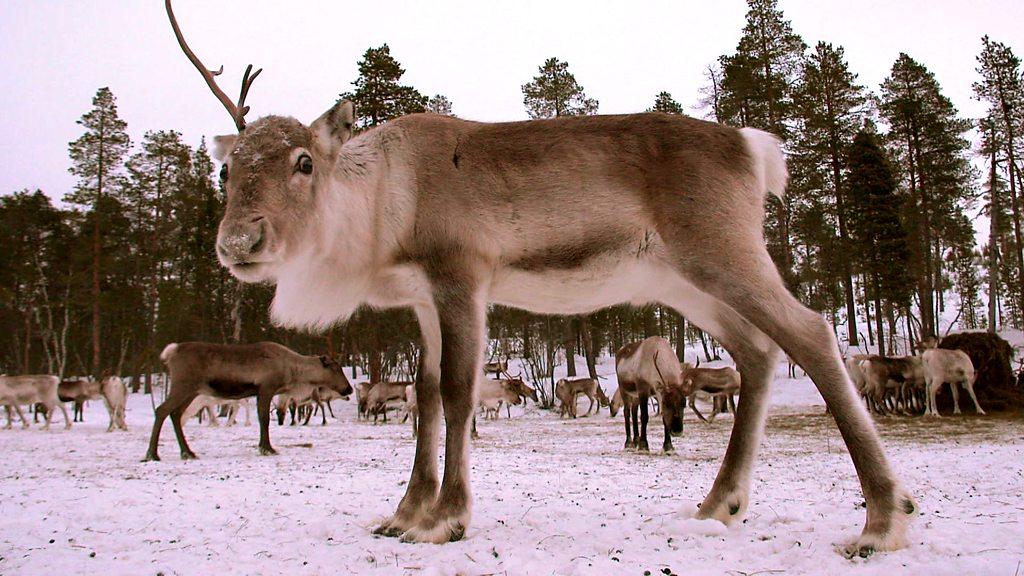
189, 455
854, 551
448, 530
151, 458
267, 451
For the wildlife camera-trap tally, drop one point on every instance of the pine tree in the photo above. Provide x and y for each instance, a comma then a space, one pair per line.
757, 90
96, 158
157, 175
927, 140
664, 102
555, 92
831, 107
1002, 88
379, 96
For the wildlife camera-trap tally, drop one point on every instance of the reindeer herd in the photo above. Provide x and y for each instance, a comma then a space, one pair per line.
909, 384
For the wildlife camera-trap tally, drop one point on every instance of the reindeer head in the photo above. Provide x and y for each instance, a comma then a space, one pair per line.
334, 377
270, 170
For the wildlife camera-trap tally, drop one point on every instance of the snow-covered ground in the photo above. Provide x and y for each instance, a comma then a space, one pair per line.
551, 497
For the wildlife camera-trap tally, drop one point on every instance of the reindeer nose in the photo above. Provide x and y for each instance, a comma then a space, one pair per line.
239, 241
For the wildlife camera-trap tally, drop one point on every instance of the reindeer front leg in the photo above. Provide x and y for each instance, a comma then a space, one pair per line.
461, 310
421, 493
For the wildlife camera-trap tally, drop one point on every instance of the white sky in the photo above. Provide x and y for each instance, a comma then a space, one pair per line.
54, 55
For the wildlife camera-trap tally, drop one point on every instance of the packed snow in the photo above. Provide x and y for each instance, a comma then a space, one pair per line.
552, 496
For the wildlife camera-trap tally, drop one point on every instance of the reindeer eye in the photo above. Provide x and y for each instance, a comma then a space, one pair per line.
305, 164
224, 173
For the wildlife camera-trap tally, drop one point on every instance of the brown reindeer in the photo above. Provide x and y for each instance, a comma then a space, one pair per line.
646, 369
567, 391
233, 371
444, 215
721, 383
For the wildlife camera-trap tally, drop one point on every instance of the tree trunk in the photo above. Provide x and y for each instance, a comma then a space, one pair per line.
878, 319
569, 344
586, 333
867, 309
993, 239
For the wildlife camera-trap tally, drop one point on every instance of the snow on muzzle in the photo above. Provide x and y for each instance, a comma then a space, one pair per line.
243, 241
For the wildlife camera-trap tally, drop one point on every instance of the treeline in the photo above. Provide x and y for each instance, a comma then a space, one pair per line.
875, 230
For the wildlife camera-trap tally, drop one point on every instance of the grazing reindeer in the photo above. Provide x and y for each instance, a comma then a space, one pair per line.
645, 369
31, 390
79, 391
384, 394
718, 382
941, 366
523, 390
362, 398
115, 398
411, 411
894, 378
494, 393
234, 371
443, 215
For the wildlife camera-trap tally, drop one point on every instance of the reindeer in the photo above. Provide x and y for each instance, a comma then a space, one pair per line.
499, 368
941, 366
382, 394
720, 383
31, 390
411, 411
362, 397
494, 393
301, 401
644, 369
79, 391
115, 398
522, 389
892, 378
234, 371
568, 390
444, 215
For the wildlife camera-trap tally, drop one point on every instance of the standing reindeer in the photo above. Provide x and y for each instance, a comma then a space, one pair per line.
233, 372
443, 215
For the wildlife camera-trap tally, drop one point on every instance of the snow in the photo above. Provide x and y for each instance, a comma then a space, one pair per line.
551, 497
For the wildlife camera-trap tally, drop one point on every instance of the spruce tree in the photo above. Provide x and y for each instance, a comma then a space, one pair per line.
555, 92
877, 231
96, 158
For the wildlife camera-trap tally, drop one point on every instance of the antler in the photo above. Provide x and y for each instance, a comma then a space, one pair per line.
237, 110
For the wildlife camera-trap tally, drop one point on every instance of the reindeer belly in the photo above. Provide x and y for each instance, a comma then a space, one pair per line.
230, 389
555, 286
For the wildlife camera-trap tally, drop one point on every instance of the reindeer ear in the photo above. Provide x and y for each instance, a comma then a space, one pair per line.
223, 145
326, 361
334, 127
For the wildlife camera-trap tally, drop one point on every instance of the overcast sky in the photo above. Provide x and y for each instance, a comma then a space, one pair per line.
54, 55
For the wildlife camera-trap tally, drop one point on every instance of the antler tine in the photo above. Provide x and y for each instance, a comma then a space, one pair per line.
237, 111
246, 83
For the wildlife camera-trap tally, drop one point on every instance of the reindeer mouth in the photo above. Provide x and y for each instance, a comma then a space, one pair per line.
251, 270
